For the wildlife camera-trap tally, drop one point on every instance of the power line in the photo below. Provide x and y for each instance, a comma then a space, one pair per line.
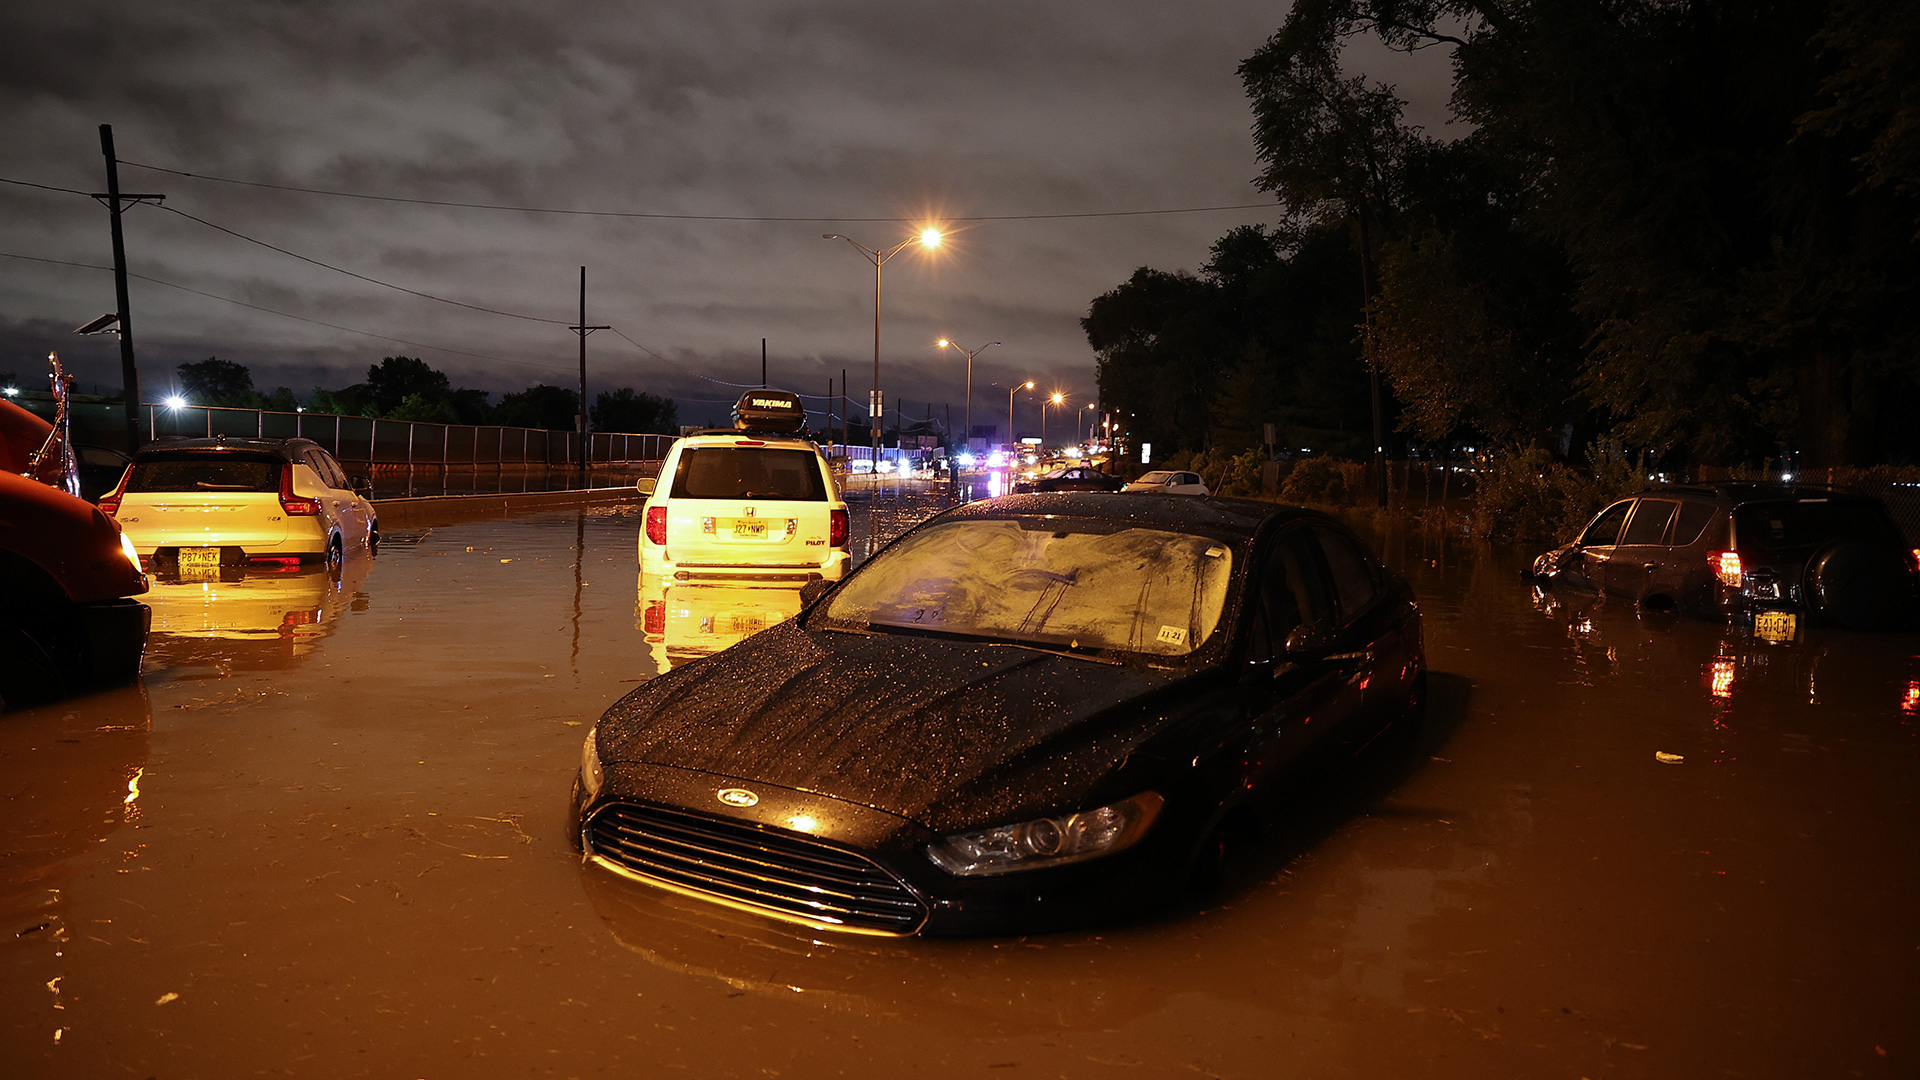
395, 340
357, 276
282, 314
45, 187
647, 215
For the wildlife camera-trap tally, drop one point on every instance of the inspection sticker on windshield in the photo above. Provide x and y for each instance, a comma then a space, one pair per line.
1173, 635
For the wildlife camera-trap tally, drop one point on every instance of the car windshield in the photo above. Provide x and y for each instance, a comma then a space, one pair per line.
1776, 526
188, 470
1049, 582
748, 472
1155, 478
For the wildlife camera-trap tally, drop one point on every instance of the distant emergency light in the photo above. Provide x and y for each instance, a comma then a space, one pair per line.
769, 410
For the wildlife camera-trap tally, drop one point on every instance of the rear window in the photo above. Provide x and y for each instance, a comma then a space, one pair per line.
189, 471
749, 472
1778, 526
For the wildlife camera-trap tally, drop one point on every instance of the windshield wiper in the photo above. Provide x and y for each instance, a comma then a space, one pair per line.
1077, 653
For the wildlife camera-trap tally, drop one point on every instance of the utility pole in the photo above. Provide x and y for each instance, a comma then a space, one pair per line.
115, 202
580, 421
763, 363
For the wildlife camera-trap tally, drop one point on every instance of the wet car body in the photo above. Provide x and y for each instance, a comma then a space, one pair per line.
825, 774
67, 620
1073, 478
757, 502
1170, 482
1765, 554
213, 505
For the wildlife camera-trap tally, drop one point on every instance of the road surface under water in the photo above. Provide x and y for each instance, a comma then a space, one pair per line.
325, 838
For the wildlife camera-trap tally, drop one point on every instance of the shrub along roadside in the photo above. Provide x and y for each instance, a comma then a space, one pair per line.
1525, 497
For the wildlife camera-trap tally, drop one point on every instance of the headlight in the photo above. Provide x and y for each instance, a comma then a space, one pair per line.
1052, 841
591, 775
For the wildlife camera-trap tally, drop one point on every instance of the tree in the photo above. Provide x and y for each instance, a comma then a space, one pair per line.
1716, 202
394, 378
353, 400
470, 406
218, 382
425, 409
539, 406
1159, 355
642, 413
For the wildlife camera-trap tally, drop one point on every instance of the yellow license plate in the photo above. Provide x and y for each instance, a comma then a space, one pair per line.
749, 529
1775, 625
199, 558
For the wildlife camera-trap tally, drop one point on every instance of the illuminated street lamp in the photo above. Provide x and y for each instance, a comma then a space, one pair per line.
929, 238
1028, 385
1056, 399
945, 344
1091, 418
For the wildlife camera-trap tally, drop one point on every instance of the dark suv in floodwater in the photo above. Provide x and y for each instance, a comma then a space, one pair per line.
1768, 555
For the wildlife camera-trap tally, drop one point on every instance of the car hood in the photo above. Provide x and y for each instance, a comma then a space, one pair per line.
940, 732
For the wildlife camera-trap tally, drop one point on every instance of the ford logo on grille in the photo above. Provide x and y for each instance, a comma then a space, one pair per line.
734, 796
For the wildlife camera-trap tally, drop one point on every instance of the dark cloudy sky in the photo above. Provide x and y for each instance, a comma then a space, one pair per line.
839, 111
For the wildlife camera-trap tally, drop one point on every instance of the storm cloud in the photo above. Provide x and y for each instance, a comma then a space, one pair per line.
855, 117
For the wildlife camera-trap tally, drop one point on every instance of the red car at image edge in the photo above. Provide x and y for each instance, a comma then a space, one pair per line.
66, 621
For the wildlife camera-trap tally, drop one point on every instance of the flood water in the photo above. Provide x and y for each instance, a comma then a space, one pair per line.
326, 838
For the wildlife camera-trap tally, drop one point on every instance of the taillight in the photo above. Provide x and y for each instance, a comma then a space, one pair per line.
1726, 567
1913, 560
273, 562
294, 505
837, 529
657, 525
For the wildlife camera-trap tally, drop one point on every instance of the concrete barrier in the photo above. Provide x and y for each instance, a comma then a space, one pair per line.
420, 513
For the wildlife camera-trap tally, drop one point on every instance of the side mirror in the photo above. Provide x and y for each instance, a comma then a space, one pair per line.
362, 487
646, 484
1307, 638
813, 590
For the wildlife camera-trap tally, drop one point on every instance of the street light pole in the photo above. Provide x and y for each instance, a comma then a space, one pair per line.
929, 238
1028, 385
1054, 400
967, 441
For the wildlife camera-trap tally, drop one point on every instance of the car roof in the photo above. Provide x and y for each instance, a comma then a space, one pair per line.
1238, 516
731, 437
285, 449
1745, 491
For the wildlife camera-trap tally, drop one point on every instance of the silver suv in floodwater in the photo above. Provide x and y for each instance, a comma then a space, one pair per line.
1768, 556
757, 503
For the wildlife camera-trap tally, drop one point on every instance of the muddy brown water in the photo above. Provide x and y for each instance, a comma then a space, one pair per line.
325, 838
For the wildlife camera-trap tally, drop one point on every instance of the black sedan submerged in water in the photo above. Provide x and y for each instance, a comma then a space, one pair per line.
1025, 713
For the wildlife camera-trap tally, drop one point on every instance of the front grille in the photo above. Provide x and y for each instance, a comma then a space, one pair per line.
775, 873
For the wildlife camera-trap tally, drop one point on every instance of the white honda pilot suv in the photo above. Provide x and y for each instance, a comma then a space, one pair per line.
754, 504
